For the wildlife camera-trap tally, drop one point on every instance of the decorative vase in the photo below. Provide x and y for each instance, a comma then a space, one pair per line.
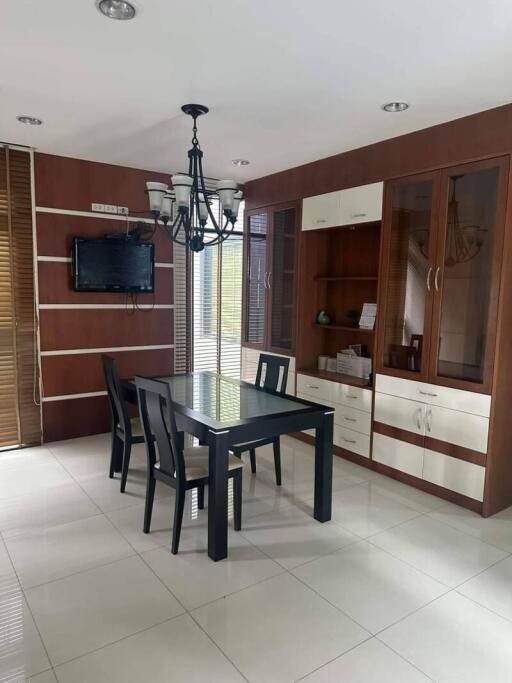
323, 319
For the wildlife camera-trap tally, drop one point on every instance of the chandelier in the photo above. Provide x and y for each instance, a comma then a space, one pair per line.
463, 240
194, 224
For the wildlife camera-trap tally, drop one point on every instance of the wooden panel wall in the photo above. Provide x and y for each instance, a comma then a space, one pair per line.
72, 335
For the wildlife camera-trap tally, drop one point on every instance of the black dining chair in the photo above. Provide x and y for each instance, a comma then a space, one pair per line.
176, 466
274, 370
122, 432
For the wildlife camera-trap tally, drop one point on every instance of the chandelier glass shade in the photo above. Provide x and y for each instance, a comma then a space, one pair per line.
193, 223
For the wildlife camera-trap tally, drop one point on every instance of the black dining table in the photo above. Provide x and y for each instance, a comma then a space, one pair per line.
221, 411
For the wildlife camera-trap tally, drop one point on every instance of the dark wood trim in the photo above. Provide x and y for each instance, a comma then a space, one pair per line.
404, 478
76, 417
400, 434
455, 451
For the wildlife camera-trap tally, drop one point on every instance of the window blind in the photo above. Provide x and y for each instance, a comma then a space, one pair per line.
20, 421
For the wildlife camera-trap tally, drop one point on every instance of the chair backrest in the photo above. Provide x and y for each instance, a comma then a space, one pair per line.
276, 372
120, 416
158, 420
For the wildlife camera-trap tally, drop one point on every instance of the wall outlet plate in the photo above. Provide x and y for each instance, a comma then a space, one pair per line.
98, 208
110, 208
123, 210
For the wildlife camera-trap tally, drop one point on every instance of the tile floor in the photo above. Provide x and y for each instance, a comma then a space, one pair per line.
399, 587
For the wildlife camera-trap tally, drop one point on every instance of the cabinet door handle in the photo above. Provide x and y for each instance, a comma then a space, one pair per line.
265, 280
429, 279
358, 215
269, 279
436, 279
349, 419
418, 418
348, 440
429, 420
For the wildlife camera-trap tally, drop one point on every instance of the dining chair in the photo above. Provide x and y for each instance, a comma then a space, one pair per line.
176, 466
274, 371
122, 431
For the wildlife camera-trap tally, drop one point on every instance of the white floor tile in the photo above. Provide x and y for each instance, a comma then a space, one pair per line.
45, 508
292, 537
369, 585
21, 458
66, 549
408, 495
21, 651
278, 630
454, 639
439, 550
496, 530
175, 651
16, 482
105, 492
196, 580
492, 588
364, 511
370, 662
46, 677
86, 611
130, 521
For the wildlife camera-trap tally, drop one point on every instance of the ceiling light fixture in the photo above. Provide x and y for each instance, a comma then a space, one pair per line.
395, 107
116, 9
240, 162
29, 120
195, 225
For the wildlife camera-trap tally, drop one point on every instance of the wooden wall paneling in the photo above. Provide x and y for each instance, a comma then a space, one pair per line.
56, 287
483, 135
76, 417
79, 373
55, 232
86, 329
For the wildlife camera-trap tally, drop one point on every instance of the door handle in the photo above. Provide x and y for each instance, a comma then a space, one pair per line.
418, 418
436, 283
269, 279
429, 279
429, 420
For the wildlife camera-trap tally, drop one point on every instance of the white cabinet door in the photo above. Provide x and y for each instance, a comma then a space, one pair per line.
361, 204
400, 412
453, 426
400, 455
322, 211
454, 474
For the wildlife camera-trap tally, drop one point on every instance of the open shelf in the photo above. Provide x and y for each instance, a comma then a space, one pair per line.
345, 328
346, 278
336, 377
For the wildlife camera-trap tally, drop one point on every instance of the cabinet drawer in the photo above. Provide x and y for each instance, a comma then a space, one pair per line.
454, 474
351, 418
361, 204
353, 397
400, 412
445, 397
398, 454
461, 429
352, 441
315, 388
322, 211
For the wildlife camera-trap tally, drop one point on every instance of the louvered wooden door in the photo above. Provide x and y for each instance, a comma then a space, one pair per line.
20, 422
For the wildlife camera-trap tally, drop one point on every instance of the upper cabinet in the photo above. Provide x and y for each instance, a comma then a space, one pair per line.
269, 278
440, 268
361, 204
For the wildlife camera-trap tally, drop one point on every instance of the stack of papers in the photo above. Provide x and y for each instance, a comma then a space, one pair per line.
368, 315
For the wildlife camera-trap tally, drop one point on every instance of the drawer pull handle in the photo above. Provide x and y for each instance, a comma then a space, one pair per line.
358, 215
349, 419
351, 396
312, 386
348, 440
321, 220
427, 393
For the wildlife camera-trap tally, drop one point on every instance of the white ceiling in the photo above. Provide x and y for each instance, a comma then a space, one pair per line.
287, 81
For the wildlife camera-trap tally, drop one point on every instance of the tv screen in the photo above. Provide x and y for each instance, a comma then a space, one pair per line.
113, 264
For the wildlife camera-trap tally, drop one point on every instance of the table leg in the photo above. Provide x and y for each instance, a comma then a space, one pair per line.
218, 495
323, 469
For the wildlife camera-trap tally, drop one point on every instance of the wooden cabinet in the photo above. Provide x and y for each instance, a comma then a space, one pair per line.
354, 205
269, 278
440, 272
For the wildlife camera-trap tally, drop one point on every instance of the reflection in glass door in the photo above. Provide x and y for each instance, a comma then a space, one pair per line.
282, 278
257, 278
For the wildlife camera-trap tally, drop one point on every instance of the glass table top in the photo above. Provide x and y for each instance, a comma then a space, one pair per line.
226, 401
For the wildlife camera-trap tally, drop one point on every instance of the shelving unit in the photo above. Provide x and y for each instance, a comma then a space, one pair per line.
345, 328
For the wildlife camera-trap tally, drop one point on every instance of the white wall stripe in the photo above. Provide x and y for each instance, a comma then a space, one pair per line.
67, 259
67, 397
94, 214
109, 349
146, 307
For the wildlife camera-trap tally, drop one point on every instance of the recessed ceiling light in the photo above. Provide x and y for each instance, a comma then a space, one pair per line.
29, 120
240, 162
117, 9
394, 107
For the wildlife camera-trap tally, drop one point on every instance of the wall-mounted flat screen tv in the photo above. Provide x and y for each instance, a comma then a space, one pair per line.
113, 264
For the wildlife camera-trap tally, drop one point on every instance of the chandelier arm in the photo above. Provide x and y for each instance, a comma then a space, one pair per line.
224, 235
210, 212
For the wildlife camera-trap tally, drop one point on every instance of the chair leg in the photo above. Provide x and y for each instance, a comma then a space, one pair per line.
115, 455
127, 449
150, 496
237, 500
179, 506
200, 497
252, 453
277, 460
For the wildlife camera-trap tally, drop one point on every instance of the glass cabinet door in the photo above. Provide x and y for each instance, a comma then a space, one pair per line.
282, 278
256, 278
408, 265
467, 274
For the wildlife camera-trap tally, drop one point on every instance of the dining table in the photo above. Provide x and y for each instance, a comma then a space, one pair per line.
222, 411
